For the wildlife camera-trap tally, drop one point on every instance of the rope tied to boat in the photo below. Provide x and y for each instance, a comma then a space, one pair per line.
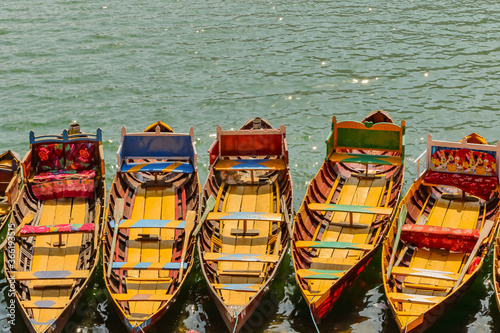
312, 316
236, 324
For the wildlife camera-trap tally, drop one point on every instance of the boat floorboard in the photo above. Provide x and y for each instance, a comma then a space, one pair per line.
445, 213
248, 198
356, 191
47, 257
150, 203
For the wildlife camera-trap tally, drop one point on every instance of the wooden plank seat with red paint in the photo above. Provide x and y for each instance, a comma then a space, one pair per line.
436, 237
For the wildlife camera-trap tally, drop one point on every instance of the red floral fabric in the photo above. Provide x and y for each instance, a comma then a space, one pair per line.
49, 157
61, 184
30, 229
479, 186
79, 156
435, 237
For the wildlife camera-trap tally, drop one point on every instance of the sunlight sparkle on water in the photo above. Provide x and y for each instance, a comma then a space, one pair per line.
314, 147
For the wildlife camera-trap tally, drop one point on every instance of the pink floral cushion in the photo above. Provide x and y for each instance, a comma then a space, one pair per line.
79, 156
49, 157
435, 237
63, 228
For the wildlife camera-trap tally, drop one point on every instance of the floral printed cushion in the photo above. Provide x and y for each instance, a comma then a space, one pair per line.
49, 157
435, 237
79, 156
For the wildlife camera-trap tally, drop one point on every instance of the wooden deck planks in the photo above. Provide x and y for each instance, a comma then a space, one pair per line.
232, 203
134, 247
446, 213
363, 192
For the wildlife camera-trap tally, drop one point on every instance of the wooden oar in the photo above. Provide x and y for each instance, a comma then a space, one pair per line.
210, 204
401, 221
190, 217
118, 214
484, 233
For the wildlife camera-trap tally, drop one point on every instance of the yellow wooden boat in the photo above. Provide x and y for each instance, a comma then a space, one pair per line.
347, 208
9, 184
152, 208
445, 225
247, 201
55, 229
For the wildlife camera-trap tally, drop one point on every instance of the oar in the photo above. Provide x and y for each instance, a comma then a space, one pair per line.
190, 216
484, 233
210, 204
401, 221
118, 213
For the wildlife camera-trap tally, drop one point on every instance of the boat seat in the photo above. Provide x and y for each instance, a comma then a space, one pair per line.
4, 208
424, 273
320, 274
250, 164
47, 275
238, 287
436, 237
414, 298
241, 272
172, 166
30, 230
240, 257
254, 216
148, 223
333, 245
150, 266
44, 304
141, 297
350, 208
365, 158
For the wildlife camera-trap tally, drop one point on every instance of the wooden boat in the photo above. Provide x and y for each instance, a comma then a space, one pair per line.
53, 250
445, 226
247, 201
347, 208
155, 197
9, 184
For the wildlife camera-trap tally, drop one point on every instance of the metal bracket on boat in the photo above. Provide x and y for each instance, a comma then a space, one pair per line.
350, 224
148, 238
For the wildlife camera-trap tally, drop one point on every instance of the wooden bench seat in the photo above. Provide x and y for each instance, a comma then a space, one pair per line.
50, 275
414, 298
149, 266
241, 257
29, 230
179, 167
333, 245
227, 216
250, 164
238, 287
149, 223
424, 273
350, 208
320, 274
44, 304
141, 297
365, 158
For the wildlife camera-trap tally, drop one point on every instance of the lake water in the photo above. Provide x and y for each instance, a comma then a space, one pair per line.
108, 63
